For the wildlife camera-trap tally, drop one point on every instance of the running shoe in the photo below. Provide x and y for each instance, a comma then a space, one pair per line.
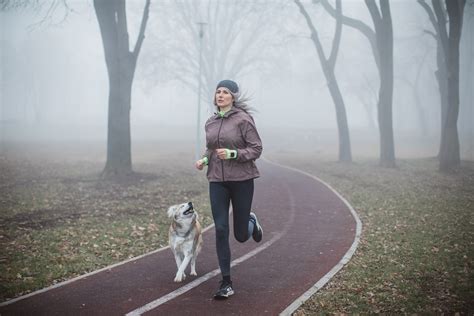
257, 233
225, 290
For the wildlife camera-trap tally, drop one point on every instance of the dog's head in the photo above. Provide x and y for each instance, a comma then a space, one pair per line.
182, 212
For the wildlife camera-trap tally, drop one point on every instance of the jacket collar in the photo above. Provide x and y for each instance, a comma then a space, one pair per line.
232, 111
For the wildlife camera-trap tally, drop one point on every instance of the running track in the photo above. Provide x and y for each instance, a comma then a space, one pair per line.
310, 232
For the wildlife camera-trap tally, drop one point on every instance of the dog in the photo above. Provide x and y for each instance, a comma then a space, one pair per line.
185, 237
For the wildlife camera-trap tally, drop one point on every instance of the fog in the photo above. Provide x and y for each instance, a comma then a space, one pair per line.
54, 84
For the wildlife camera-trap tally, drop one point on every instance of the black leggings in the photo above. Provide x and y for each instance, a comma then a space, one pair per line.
241, 195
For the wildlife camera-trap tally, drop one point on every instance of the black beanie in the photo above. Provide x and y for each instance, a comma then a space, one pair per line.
229, 84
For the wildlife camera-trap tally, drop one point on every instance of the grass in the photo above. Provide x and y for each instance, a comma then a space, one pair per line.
59, 220
416, 250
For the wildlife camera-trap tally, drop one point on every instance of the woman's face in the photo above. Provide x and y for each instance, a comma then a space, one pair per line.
223, 97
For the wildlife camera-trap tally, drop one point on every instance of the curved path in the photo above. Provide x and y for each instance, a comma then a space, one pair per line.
310, 232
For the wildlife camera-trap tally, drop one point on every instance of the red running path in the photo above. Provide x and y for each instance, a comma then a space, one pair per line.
309, 233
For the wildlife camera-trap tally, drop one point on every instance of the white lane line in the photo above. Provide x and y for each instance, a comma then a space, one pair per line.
291, 308
160, 301
154, 304
83, 276
345, 259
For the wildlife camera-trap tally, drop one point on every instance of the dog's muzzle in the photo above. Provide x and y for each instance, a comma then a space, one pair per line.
190, 209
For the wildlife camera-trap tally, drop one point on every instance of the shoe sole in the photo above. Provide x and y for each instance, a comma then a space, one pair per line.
223, 297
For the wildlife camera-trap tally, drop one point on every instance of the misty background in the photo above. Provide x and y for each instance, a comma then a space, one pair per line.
54, 84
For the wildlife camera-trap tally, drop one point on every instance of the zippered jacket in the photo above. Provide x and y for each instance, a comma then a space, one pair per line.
235, 130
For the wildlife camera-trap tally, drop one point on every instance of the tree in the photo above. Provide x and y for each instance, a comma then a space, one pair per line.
466, 81
437, 17
384, 36
447, 74
328, 65
381, 41
449, 157
368, 99
238, 38
413, 86
121, 64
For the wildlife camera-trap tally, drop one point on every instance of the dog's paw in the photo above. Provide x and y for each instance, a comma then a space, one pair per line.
180, 277
193, 272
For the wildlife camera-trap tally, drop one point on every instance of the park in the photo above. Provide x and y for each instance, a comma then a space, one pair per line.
366, 185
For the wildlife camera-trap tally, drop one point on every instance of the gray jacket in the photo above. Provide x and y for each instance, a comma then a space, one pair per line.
235, 130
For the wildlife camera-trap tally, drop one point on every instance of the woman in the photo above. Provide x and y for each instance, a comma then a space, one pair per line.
233, 145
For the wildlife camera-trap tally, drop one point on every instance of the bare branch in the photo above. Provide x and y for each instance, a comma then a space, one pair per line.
358, 25
430, 13
374, 13
337, 35
141, 34
441, 24
314, 32
435, 36
37, 6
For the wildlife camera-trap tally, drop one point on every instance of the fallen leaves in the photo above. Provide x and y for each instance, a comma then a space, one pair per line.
415, 253
61, 220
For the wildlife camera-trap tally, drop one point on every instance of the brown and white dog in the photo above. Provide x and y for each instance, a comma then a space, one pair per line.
185, 237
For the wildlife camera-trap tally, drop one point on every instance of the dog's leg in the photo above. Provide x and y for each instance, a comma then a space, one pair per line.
196, 251
178, 259
180, 276
193, 265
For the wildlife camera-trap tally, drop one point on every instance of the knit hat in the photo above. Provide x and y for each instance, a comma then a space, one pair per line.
229, 84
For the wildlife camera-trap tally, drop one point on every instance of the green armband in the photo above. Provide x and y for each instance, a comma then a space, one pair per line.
205, 161
230, 154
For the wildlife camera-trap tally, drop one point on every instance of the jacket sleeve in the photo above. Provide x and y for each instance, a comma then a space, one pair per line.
253, 148
207, 154
208, 151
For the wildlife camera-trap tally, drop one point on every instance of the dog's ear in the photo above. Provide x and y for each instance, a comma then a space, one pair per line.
171, 210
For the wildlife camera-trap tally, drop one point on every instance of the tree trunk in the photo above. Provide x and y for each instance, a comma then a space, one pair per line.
438, 18
345, 154
371, 125
368, 105
417, 99
119, 158
449, 152
121, 64
328, 66
381, 41
441, 77
466, 81
384, 36
387, 146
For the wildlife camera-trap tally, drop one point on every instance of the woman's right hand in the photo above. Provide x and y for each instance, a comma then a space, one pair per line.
199, 164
